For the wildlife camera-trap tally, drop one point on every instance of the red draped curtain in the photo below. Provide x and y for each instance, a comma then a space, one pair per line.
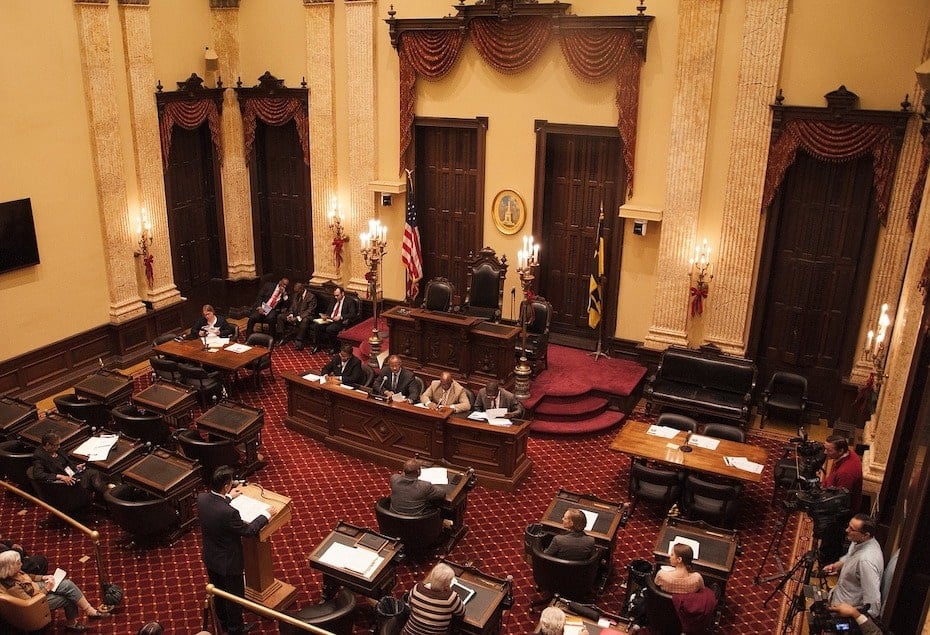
189, 115
276, 111
832, 141
593, 55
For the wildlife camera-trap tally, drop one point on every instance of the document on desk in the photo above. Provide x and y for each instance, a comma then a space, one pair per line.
700, 441
589, 519
315, 377
238, 348
249, 508
358, 559
662, 431
97, 448
742, 463
694, 544
216, 342
435, 475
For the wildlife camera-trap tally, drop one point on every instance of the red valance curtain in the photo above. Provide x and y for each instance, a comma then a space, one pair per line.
189, 115
593, 55
276, 111
830, 141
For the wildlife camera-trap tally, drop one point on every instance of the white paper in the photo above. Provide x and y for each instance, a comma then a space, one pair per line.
573, 628
358, 559
97, 448
435, 475
503, 423
700, 441
496, 413
216, 342
312, 377
589, 519
398, 396
250, 508
478, 416
383, 355
238, 348
742, 463
694, 544
58, 576
662, 431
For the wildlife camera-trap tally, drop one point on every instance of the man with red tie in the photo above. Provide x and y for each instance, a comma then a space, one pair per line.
341, 314
271, 299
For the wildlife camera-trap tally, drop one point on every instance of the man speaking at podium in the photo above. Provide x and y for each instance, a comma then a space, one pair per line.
222, 529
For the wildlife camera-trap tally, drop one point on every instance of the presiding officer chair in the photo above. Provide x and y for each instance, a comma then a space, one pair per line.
484, 295
421, 535
439, 295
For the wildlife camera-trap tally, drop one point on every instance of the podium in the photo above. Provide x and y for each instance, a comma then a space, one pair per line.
261, 586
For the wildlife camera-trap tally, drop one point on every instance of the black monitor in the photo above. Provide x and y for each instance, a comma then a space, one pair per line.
18, 246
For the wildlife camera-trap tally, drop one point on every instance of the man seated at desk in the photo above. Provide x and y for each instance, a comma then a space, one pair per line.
395, 379
211, 324
346, 366
574, 545
445, 392
410, 495
493, 396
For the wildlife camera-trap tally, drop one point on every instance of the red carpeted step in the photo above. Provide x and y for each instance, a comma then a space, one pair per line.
566, 409
600, 422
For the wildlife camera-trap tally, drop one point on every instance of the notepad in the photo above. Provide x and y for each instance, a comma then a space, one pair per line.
464, 592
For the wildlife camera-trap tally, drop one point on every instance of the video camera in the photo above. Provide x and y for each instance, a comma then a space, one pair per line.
823, 505
822, 620
801, 469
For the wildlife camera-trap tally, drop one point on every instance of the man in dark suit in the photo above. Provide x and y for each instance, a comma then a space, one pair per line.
574, 545
493, 396
211, 324
222, 528
51, 465
346, 366
299, 315
397, 379
410, 495
341, 314
271, 299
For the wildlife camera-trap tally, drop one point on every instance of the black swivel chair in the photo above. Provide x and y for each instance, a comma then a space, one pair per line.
149, 427
15, 461
785, 398
484, 294
663, 619
439, 295
333, 615
570, 579
263, 362
677, 421
654, 484
471, 397
369, 374
715, 503
72, 500
148, 519
93, 413
165, 369
209, 384
164, 337
724, 431
211, 452
421, 535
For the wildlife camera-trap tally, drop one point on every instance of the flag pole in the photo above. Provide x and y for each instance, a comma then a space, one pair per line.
597, 354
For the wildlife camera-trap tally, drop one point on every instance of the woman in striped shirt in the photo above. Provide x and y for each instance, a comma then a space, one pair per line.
433, 604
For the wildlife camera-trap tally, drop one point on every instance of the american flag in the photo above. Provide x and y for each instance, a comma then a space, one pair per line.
410, 251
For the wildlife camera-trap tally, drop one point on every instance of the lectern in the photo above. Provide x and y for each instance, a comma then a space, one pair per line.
261, 586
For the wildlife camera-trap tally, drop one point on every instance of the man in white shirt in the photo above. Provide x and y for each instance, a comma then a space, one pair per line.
860, 570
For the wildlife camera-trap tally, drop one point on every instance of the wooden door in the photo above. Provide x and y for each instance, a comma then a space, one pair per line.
582, 172
821, 241
194, 221
282, 219
449, 181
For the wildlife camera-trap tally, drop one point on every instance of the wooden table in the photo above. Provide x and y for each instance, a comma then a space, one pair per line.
15, 414
173, 401
260, 584
240, 424
106, 387
717, 552
633, 440
390, 433
375, 584
484, 612
171, 476
221, 359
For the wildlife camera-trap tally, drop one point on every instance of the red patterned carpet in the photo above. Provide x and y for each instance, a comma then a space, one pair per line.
167, 583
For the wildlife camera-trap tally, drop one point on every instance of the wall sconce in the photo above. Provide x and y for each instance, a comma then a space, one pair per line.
698, 272
339, 236
144, 229
876, 351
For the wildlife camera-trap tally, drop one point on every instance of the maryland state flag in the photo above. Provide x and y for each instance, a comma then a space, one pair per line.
597, 272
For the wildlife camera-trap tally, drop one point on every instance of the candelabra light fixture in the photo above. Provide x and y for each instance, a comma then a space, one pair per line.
339, 236
527, 264
373, 244
876, 349
698, 271
144, 230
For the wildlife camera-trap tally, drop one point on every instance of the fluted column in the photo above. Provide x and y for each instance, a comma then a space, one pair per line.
140, 73
237, 198
734, 266
319, 42
92, 19
360, 26
694, 76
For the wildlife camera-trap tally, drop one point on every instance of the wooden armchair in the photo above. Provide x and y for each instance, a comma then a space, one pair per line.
484, 296
26, 615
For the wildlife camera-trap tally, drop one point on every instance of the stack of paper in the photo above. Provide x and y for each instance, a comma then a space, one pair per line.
357, 559
742, 463
97, 448
435, 475
249, 508
700, 441
238, 348
662, 431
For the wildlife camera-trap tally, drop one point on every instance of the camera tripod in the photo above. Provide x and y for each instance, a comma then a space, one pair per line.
799, 574
774, 546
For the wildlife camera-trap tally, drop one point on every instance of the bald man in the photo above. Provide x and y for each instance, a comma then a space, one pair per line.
446, 393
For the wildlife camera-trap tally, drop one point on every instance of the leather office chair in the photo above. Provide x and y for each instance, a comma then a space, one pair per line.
165, 369
27, 616
724, 431
439, 295
785, 398
421, 385
93, 413
263, 362
654, 484
148, 519
15, 461
333, 615
677, 421
663, 619
538, 316
164, 337
209, 384
570, 579
148, 427
421, 535
211, 452
72, 500
471, 397
484, 293
369, 373
715, 503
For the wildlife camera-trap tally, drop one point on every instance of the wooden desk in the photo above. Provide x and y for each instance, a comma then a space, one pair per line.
260, 584
376, 584
241, 424
105, 386
171, 476
71, 431
173, 401
484, 612
473, 350
717, 552
15, 414
605, 526
633, 440
389, 433
125, 452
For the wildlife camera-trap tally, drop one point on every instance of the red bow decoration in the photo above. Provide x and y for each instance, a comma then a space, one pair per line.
368, 279
866, 396
698, 294
338, 242
148, 261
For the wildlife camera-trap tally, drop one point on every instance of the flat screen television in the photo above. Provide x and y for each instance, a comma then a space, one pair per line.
18, 246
